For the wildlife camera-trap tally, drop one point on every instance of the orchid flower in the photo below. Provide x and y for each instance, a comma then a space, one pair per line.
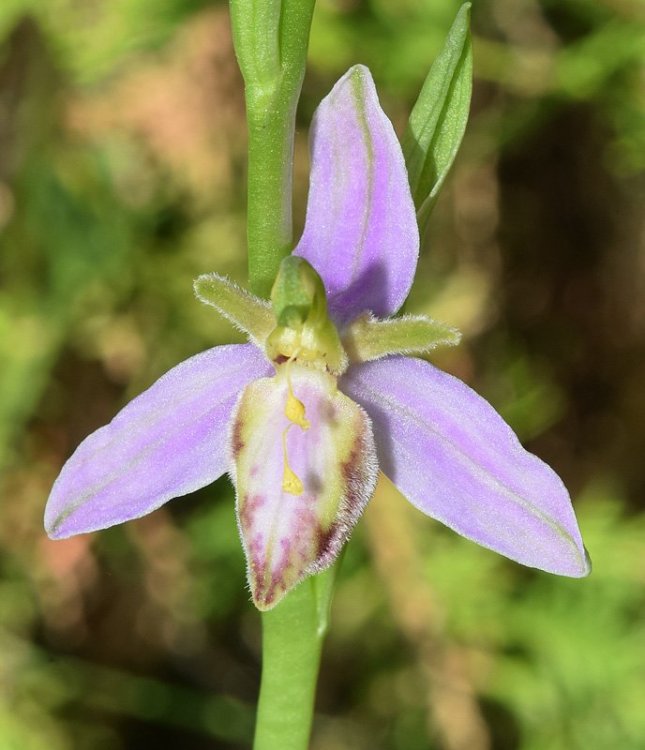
323, 396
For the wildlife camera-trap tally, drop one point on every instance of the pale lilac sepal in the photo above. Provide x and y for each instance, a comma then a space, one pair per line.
361, 231
170, 440
454, 458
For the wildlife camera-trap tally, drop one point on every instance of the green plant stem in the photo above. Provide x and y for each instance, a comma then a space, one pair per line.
269, 229
271, 40
292, 638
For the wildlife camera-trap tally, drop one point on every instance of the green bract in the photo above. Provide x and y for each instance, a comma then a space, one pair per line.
438, 120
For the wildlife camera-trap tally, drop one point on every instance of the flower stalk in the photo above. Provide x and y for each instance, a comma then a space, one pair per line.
292, 638
271, 41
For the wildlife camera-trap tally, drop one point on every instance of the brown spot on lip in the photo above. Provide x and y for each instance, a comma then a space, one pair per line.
325, 540
349, 468
248, 506
237, 444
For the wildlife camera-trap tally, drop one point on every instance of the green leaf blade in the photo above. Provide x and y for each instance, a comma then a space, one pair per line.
438, 119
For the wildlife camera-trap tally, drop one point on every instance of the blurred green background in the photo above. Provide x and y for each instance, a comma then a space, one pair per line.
122, 162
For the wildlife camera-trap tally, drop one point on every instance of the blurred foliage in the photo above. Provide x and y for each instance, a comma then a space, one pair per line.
121, 179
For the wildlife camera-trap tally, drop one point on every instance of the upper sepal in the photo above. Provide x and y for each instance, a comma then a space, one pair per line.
301, 485
361, 230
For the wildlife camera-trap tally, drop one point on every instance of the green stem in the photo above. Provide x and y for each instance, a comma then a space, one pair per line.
292, 638
269, 230
271, 40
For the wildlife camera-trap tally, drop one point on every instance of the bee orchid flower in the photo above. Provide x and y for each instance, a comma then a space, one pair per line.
327, 392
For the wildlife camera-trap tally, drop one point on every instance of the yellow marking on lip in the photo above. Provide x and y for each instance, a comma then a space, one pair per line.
295, 412
290, 480
294, 409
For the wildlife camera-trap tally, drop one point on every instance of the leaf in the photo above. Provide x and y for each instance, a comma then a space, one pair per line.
438, 119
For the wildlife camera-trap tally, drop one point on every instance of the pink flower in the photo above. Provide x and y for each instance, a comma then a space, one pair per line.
303, 417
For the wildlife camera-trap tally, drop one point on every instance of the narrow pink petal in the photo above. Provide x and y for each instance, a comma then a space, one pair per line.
287, 536
455, 458
170, 440
361, 230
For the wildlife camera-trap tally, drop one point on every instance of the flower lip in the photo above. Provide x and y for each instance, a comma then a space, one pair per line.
301, 484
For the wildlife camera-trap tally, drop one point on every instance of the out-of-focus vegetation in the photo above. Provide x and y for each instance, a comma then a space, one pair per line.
121, 179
